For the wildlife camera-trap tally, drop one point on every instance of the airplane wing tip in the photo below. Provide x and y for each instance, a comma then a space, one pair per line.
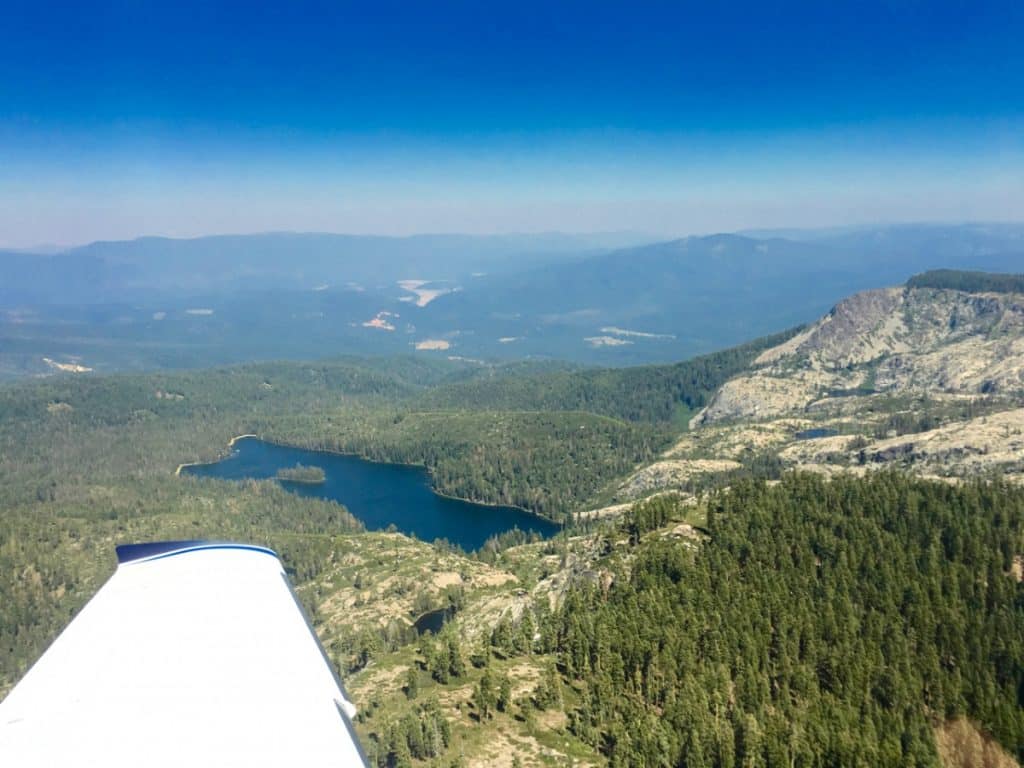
155, 550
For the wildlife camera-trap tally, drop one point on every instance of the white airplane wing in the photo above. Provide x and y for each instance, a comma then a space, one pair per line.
192, 654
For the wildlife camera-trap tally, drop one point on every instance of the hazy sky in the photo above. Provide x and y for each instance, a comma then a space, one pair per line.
126, 118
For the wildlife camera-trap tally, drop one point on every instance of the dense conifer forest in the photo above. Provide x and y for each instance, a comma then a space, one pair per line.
972, 282
652, 393
820, 623
810, 623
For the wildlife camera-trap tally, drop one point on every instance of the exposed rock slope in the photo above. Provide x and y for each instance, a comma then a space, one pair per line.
930, 380
892, 341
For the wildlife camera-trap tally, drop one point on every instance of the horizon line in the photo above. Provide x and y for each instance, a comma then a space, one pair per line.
51, 249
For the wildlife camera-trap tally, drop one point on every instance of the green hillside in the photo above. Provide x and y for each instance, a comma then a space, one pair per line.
653, 393
821, 623
812, 623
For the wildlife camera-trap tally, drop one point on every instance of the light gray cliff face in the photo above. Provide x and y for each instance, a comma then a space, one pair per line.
891, 340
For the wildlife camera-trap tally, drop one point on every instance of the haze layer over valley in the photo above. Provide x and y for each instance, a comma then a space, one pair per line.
158, 303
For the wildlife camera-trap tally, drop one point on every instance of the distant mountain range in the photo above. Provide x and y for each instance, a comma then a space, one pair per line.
607, 299
159, 268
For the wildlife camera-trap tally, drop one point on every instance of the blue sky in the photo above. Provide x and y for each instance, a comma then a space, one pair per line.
126, 118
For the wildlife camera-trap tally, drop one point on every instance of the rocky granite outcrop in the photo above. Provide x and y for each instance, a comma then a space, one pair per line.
892, 340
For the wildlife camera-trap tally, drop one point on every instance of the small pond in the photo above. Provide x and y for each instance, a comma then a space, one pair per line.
432, 621
817, 432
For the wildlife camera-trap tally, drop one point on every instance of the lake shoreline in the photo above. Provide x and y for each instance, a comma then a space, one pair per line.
433, 488
231, 443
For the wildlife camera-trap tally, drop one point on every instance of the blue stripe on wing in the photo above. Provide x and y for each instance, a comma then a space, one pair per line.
157, 550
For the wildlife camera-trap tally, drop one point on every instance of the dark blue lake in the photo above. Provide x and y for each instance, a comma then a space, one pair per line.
378, 494
816, 433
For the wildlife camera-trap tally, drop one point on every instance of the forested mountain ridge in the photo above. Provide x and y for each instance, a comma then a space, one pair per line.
653, 393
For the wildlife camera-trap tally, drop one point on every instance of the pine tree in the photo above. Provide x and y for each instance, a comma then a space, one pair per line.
504, 700
484, 696
412, 683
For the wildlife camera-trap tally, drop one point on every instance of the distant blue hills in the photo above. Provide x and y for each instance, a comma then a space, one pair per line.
601, 299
